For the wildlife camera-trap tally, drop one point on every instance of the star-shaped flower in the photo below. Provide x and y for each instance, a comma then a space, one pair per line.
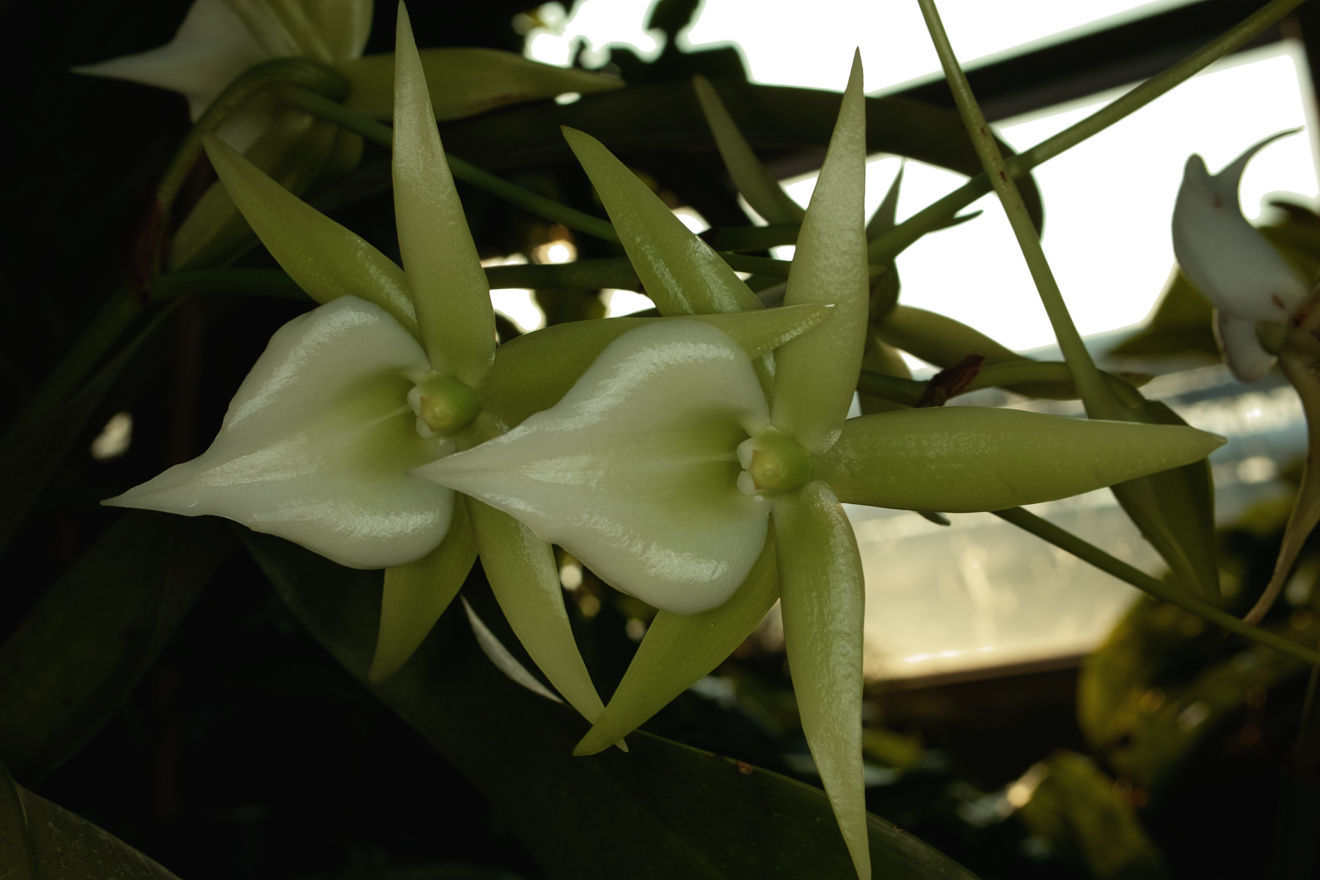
672, 458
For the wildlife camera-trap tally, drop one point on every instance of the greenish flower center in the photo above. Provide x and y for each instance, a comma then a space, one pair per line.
773, 463
443, 405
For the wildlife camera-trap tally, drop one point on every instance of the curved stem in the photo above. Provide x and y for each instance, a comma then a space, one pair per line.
1065, 540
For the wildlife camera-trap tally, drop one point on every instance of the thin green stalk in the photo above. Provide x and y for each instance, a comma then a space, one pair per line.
309, 77
1155, 587
1099, 401
332, 111
895, 241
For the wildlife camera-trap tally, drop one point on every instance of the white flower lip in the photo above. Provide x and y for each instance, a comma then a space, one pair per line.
316, 445
635, 470
1230, 261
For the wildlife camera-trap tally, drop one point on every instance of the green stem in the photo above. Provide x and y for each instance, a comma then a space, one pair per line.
1099, 401
889, 245
332, 111
308, 76
1155, 587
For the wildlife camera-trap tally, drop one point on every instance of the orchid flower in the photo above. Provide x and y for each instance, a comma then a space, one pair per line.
1245, 277
396, 368
711, 486
221, 39
1266, 310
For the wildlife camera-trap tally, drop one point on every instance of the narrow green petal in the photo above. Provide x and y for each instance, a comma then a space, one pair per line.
762, 191
417, 593
635, 470
680, 273
822, 599
817, 373
886, 213
448, 285
502, 658
964, 458
322, 257
523, 576
678, 650
535, 370
466, 81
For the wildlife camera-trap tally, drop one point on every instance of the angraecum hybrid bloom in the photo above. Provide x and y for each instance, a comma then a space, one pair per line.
1265, 310
712, 486
219, 40
397, 367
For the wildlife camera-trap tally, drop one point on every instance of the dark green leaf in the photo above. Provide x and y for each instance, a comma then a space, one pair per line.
76, 657
40, 840
662, 811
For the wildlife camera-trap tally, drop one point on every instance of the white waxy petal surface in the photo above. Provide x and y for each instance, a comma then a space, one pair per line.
317, 445
634, 471
1223, 255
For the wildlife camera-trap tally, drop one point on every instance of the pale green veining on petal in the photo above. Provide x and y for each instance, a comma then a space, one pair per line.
634, 471
317, 443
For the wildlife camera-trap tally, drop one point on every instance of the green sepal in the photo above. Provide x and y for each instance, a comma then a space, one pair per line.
963, 458
294, 151
533, 371
321, 256
448, 285
466, 81
417, 593
680, 649
761, 190
525, 580
680, 273
822, 600
817, 373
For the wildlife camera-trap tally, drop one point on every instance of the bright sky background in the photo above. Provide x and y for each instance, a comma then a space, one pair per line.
1107, 202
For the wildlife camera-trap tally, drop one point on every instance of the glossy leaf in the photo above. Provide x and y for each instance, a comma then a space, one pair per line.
75, 658
962, 458
445, 278
39, 840
645, 819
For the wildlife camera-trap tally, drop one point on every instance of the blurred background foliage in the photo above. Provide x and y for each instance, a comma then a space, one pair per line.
153, 683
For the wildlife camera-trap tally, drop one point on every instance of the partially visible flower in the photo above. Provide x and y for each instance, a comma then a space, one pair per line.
220, 39
1243, 275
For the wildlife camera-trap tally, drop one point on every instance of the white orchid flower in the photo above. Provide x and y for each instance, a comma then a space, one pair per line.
1243, 275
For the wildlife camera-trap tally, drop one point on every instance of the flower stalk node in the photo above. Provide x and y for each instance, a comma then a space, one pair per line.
773, 463
443, 406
